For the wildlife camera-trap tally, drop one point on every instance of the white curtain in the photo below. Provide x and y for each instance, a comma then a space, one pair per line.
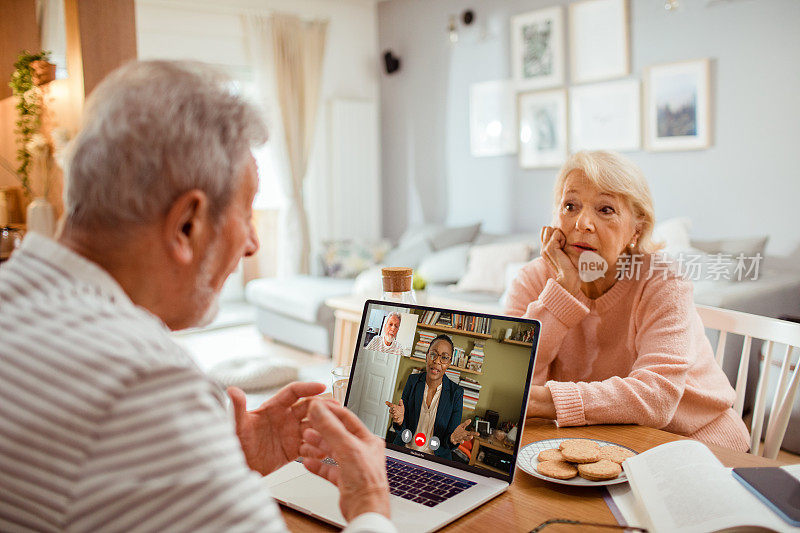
286, 54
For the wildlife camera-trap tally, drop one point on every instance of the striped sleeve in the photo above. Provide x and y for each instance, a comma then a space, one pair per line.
167, 458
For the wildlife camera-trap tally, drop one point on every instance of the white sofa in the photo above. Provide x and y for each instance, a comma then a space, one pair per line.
293, 310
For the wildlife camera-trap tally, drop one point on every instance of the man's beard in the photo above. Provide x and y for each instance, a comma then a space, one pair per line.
206, 297
210, 314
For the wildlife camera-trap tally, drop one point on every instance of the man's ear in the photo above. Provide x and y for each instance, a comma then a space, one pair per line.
186, 225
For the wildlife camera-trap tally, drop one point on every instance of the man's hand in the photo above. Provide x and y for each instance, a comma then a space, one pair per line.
361, 474
553, 243
397, 412
460, 434
271, 435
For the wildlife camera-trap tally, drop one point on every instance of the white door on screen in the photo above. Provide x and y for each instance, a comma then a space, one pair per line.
376, 383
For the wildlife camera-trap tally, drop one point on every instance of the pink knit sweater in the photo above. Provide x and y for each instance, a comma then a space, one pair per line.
638, 354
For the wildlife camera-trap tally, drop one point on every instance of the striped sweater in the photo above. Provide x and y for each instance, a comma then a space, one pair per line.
105, 423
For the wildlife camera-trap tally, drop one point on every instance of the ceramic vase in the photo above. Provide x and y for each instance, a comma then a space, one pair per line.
41, 217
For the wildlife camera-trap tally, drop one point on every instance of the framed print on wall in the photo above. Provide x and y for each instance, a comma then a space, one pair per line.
492, 118
542, 129
599, 40
605, 116
537, 49
677, 106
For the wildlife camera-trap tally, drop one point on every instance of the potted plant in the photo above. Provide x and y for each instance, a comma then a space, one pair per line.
28, 69
35, 151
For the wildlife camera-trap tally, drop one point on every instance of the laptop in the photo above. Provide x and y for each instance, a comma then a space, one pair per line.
432, 480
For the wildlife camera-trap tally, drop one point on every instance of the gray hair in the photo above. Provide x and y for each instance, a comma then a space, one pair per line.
394, 313
153, 130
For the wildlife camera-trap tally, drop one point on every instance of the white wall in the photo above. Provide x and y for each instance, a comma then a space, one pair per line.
747, 183
211, 31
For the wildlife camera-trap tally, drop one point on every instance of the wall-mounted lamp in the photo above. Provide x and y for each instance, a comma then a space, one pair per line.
467, 18
671, 5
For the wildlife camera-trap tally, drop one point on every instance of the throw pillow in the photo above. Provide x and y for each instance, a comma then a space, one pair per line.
673, 234
408, 254
445, 266
486, 268
749, 246
447, 237
348, 258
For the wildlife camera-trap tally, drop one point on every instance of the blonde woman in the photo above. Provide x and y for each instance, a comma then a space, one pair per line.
618, 347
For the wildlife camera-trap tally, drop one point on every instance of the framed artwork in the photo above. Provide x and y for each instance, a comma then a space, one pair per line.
599, 40
677, 106
492, 118
542, 129
537, 49
605, 116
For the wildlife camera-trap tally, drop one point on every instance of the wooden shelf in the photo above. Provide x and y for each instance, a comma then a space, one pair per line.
455, 331
517, 343
479, 443
457, 368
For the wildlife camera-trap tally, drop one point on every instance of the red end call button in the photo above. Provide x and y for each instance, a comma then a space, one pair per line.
419, 439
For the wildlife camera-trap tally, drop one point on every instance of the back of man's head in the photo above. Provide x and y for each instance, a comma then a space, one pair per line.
153, 130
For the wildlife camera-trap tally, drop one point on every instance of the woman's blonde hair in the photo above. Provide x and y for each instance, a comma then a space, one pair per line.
613, 173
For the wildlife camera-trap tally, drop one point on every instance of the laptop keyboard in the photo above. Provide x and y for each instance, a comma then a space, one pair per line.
421, 485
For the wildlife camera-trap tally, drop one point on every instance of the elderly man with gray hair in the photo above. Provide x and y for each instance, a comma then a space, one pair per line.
105, 423
387, 342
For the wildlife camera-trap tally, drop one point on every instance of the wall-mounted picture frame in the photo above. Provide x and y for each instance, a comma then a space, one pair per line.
605, 116
678, 106
599, 40
542, 128
537, 49
492, 118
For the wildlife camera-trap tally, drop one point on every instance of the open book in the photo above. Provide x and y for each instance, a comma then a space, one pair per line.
682, 487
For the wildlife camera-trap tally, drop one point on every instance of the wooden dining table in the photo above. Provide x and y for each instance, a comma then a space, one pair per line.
529, 501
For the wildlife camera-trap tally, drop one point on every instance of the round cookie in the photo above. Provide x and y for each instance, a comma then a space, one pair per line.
599, 471
572, 442
581, 452
550, 455
557, 469
615, 453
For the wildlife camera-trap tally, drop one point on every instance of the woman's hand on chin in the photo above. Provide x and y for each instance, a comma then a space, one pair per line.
553, 243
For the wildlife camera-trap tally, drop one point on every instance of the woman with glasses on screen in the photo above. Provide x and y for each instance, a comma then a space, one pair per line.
621, 342
431, 404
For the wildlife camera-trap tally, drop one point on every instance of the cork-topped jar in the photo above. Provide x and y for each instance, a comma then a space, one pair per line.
397, 285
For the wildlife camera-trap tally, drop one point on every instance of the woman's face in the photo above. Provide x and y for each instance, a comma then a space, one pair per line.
594, 220
440, 355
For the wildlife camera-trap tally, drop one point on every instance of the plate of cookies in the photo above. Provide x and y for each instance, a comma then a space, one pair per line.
579, 462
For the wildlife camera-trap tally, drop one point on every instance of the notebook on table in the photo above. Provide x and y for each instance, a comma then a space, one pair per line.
432, 480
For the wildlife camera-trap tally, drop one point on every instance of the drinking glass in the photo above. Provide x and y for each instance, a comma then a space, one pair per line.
340, 376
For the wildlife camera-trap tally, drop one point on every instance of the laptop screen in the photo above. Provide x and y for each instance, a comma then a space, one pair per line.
425, 379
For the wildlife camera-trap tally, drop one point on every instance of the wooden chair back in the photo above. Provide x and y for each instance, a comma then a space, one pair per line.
772, 331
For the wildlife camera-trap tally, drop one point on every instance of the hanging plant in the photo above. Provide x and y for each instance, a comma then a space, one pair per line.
24, 85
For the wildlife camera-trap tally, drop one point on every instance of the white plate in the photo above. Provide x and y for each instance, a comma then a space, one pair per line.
527, 462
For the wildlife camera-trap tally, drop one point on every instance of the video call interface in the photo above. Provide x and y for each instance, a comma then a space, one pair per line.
448, 384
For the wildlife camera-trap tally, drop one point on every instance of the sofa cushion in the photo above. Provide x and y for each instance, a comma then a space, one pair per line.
347, 258
749, 246
673, 234
408, 254
486, 270
445, 266
447, 237
301, 297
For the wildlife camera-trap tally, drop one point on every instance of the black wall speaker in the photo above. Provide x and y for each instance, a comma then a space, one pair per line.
391, 62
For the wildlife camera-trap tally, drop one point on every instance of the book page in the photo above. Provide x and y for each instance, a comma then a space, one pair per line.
683, 487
